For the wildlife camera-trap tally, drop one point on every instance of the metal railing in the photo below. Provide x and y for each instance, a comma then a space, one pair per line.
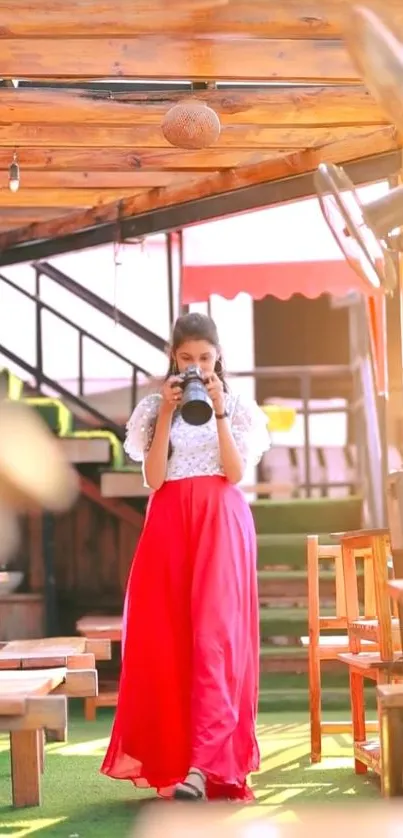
101, 305
362, 411
38, 373
305, 376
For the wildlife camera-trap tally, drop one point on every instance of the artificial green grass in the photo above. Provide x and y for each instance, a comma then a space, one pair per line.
79, 802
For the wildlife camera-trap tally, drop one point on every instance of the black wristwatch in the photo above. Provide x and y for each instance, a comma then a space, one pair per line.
224, 415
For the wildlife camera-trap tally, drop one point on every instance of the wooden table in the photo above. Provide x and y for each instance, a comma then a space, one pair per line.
74, 653
71, 652
106, 629
32, 701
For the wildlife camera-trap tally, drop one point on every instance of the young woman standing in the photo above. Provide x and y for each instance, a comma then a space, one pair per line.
186, 713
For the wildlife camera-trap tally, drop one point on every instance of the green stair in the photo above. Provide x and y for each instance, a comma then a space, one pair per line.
282, 528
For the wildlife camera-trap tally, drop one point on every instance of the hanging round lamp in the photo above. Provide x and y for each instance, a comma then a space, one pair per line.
191, 124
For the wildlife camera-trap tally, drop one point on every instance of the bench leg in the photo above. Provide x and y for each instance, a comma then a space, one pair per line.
90, 709
41, 747
56, 735
25, 768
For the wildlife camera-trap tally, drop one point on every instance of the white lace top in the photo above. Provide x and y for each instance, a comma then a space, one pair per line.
195, 448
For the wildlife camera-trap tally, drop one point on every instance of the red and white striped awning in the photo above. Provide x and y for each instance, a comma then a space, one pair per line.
279, 251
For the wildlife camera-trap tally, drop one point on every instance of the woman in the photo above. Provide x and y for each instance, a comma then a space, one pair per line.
185, 720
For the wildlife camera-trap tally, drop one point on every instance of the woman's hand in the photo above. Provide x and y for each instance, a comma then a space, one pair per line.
171, 393
215, 389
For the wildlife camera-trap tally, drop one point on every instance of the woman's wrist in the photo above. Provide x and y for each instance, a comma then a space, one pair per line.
166, 411
219, 407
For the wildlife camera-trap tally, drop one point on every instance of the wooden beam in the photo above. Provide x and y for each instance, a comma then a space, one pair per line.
257, 18
20, 213
381, 141
156, 57
125, 160
65, 179
12, 224
10, 219
302, 106
67, 198
151, 136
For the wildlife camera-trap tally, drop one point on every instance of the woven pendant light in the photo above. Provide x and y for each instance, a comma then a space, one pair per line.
191, 124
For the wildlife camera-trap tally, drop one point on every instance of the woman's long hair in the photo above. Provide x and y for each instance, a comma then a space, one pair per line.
191, 327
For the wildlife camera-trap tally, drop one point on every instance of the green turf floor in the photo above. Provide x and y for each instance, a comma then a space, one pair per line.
80, 803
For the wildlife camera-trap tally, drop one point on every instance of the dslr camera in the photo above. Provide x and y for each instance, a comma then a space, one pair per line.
196, 406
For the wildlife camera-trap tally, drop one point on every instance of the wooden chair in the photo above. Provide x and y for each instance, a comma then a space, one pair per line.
390, 701
100, 629
384, 666
321, 647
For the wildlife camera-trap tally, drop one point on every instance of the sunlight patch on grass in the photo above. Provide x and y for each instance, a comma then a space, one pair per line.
283, 757
20, 829
332, 763
89, 748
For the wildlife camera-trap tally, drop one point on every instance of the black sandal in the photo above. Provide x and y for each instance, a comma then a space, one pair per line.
187, 791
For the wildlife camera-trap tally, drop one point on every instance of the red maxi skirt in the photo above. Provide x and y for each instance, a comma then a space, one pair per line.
189, 681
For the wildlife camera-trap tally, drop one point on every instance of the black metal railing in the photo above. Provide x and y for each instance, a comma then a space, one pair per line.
37, 371
64, 281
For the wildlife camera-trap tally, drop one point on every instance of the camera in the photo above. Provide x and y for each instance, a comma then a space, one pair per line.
196, 406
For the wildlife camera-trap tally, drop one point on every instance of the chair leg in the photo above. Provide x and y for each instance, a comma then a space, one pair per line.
391, 728
358, 715
315, 706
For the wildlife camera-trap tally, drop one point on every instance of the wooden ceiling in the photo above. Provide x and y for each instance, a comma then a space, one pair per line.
85, 86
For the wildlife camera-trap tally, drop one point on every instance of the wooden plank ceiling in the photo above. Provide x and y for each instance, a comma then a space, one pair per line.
85, 86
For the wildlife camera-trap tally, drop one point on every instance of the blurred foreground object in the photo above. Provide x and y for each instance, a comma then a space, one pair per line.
378, 56
34, 473
226, 821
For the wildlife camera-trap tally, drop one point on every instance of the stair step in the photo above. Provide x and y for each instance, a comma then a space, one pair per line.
290, 587
297, 700
283, 552
307, 515
291, 575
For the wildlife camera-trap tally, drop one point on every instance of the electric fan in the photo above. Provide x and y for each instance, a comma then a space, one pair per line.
360, 229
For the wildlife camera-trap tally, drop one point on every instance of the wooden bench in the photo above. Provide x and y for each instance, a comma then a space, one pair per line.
32, 701
96, 629
77, 653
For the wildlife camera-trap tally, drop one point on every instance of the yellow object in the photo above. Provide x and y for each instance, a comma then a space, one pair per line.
279, 418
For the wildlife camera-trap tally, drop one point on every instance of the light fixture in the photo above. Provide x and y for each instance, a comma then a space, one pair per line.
14, 175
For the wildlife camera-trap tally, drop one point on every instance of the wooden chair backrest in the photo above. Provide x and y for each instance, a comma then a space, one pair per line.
318, 553
378, 568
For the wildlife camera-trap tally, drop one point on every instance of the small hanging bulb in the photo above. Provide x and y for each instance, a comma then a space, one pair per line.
14, 175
